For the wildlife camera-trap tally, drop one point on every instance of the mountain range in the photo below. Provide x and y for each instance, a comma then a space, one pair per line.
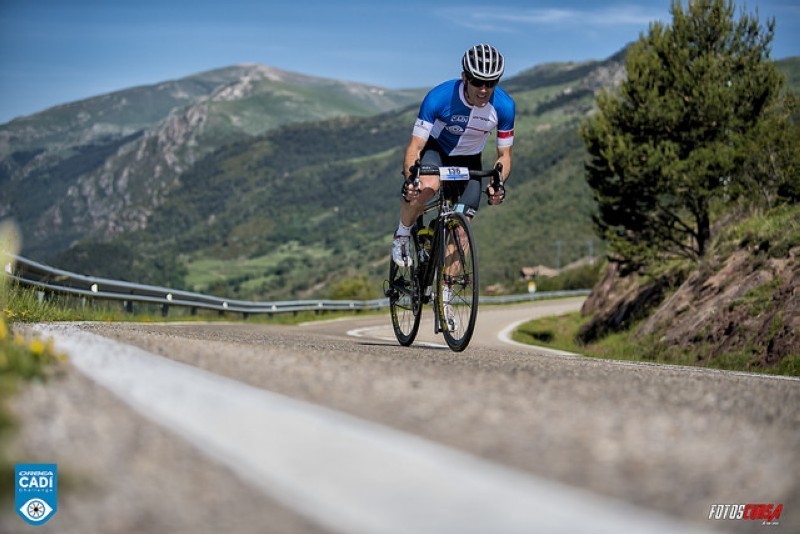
259, 183
98, 167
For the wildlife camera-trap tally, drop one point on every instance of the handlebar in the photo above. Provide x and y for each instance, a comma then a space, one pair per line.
418, 170
452, 173
432, 170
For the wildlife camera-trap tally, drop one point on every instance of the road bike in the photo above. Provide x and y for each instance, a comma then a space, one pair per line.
444, 266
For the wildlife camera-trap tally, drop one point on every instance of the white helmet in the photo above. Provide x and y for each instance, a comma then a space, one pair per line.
483, 62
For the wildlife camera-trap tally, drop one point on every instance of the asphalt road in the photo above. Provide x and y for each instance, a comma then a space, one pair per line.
582, 444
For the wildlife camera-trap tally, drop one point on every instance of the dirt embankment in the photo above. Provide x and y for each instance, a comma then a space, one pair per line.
745, 302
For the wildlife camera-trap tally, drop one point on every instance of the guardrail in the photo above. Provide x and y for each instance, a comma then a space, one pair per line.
49, 279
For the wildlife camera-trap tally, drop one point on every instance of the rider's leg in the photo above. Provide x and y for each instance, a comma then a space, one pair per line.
409, 211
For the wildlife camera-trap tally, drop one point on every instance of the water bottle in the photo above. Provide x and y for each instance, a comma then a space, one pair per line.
424, 236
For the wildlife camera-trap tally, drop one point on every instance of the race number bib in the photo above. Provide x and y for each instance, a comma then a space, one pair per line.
453, 173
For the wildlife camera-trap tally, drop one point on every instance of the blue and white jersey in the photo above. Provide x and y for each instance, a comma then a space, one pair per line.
462, 129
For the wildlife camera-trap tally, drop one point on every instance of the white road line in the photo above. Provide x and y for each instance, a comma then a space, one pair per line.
506, 333
347, 474
367, 332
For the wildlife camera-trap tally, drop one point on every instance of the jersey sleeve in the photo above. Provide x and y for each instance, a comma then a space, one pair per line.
431, 109
506, 110
422, 128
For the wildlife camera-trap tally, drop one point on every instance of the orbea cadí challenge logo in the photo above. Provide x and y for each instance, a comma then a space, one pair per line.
36, 492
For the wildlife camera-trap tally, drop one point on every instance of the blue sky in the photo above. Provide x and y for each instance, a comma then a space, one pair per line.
57, 51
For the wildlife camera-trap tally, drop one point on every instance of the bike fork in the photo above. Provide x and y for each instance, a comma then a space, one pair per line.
437, 323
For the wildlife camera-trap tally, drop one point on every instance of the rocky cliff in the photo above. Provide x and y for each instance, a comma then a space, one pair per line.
741, 301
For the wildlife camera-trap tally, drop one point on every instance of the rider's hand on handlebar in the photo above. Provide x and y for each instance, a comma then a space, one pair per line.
496, 189
410, 190
411, 185
496, 196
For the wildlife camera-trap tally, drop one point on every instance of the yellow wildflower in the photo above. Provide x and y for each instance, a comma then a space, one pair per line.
37, 347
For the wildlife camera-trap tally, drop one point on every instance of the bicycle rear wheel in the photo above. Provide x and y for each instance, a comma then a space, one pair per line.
457, 284
405, 298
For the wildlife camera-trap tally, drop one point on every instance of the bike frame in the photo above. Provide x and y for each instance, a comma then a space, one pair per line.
436, 259
449, 264
438, 255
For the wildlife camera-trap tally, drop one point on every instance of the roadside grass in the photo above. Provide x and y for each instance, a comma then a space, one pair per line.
775, 231
21, 361
560, 332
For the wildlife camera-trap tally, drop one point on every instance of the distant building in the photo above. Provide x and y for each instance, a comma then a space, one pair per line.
531, 273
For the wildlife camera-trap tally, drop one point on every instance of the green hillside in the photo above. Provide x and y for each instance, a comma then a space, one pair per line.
99, 167
304, 206
791, 69
296, 210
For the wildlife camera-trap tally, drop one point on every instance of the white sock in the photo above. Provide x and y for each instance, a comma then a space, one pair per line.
403, 230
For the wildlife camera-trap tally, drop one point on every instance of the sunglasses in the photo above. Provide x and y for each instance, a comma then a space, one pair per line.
474, 82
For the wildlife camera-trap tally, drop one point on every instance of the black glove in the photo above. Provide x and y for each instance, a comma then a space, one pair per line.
411, 185
408, 190
498, 190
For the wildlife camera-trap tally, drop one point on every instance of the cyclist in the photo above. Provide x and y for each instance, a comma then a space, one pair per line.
453, 125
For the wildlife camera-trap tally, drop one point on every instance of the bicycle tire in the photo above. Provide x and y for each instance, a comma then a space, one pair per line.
458, 270
405, 298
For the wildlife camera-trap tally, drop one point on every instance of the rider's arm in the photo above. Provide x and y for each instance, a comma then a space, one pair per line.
496, 196
506, 110
413, 153
504, 157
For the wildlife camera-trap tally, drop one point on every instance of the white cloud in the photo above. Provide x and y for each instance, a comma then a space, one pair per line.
601, 17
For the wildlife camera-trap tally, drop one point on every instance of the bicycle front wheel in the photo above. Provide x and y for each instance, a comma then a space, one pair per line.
405, 298
457, 283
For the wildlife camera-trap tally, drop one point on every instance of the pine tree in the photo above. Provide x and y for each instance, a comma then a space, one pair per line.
670, 142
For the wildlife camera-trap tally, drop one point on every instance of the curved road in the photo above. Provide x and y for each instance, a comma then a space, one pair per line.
332, 426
